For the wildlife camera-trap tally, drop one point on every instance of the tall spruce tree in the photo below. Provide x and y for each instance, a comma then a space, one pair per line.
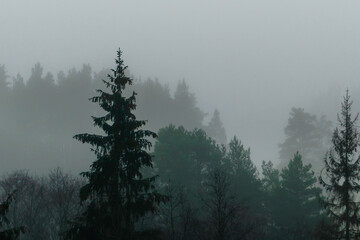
117, 193
342, 175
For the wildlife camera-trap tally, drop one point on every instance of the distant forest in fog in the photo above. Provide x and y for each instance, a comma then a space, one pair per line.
40, 116
182, 180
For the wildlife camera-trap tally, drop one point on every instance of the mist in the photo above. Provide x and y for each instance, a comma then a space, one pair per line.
252, 61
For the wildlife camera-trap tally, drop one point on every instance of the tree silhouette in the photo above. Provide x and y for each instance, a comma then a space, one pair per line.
306, 134
3, 79
298, 208
11, 233
215, 128
186, 112
342, 175
183, 156
117, 194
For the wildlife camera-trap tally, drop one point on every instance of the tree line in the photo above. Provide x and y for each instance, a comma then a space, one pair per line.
189, 186
41, 114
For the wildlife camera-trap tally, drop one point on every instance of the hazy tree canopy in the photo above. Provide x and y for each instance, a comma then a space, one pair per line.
10, 233
183, 156
42, 204
307, 135
341, 176
186, 112
155, 103
215, 128
40, 114
3, 79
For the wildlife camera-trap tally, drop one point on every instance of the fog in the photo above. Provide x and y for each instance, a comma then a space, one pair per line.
251, 60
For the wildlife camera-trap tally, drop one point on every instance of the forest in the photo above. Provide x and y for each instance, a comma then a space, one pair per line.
151, 168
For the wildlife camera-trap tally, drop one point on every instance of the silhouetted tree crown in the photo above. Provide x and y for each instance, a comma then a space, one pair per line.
342, 175
299, 208
117, 193
244, 175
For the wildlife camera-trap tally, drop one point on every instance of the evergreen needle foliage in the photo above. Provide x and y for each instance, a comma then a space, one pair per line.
342, 175
117, 193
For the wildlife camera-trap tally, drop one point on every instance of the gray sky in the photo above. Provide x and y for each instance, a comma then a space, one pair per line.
253, 60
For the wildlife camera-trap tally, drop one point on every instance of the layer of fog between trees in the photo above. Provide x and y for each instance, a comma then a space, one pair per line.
40, 116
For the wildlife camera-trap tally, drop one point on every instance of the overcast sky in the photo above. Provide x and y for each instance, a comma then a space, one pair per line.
252, 60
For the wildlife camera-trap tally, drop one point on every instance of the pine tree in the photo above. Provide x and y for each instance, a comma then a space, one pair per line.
243, 172
298, 206
342, 175
306, 134
117, 193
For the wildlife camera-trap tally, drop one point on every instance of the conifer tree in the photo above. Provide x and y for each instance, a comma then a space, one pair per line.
342, 175
308, 135
186, 112
3, 80
215, 128
298, 208
243, 172
117, 193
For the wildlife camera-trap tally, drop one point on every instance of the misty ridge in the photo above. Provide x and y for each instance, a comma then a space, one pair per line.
179, 120
43, 113
181, 178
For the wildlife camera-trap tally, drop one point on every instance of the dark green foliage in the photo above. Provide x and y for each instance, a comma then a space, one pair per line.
325, 230
342, 175
271, 177
116, 192
307, 135
291, 201
298, 206
10, 233
243, 174
184, 156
